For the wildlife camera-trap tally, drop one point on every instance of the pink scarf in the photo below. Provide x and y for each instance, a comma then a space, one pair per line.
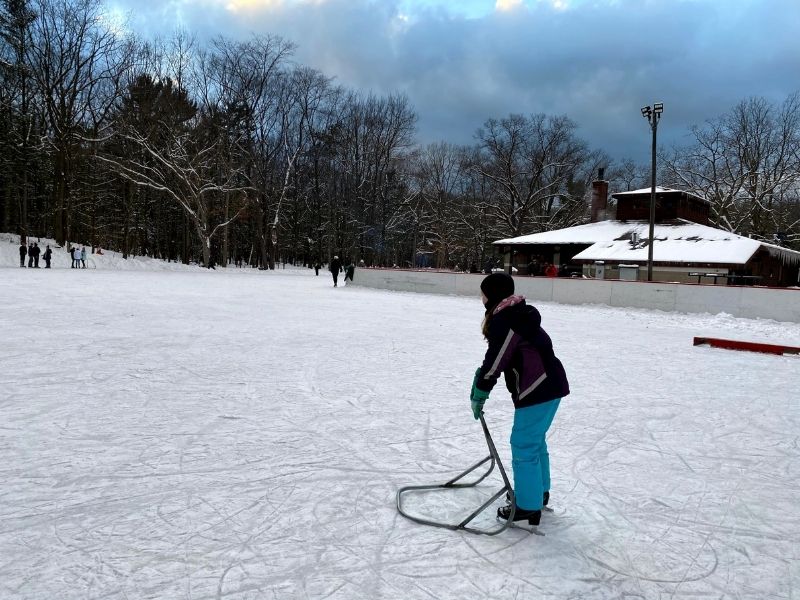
510, 301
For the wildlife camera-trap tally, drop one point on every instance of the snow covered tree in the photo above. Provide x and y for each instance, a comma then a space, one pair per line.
747, 163
440, 171
168, 145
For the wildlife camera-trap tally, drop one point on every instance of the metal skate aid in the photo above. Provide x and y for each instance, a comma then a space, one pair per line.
493, 459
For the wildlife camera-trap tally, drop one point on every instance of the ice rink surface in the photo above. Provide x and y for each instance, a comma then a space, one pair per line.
242, 434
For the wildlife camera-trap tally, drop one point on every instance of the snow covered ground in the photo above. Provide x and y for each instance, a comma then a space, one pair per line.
241, 434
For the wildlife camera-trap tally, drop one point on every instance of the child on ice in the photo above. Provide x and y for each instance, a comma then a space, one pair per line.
521, 350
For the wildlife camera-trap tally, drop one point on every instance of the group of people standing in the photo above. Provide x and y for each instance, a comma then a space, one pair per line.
32, 252
78, 257
336, 268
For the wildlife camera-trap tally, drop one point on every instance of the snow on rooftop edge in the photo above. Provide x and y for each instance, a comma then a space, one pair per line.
683, 241
647, 190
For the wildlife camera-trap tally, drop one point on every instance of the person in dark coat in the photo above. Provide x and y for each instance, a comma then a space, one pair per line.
48, 255
30, 255
349, 271
336, 267
316, 268
36, 252
23, 252
523, 352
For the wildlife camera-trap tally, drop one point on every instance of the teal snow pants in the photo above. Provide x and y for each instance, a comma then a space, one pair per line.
529, 457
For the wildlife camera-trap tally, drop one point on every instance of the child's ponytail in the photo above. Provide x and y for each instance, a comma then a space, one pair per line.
485, 325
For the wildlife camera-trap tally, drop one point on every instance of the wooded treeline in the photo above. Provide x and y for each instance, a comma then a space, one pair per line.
231, 151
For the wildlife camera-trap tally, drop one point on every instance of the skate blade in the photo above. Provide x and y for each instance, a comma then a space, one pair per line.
532, 529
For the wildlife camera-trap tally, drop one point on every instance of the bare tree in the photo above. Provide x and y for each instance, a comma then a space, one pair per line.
746, 163
529, 161
16, 20
77, 63
251, 76
440, 176
185, 157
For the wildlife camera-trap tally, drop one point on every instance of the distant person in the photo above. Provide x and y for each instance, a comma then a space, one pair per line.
551, 271
48, 255
349, 271
335, 268
533, 268
23, 252
83, 257
76, 257
30, 255
487, 268
316, 268
36, 252
473, 267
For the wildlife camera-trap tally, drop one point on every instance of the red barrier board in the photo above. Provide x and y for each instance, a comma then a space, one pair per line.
746, 346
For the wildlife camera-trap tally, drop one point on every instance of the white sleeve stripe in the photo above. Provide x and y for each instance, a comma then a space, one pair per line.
500, 354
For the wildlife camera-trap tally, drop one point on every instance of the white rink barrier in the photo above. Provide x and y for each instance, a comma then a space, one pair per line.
779, 304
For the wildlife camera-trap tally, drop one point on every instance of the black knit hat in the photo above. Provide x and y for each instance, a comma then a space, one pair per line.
497, 287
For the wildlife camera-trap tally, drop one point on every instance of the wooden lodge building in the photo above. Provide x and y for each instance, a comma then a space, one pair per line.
687, 249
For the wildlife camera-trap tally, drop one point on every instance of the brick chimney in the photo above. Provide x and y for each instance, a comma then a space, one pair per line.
599, 197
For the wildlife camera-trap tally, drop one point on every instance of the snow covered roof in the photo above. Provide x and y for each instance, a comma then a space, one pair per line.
659, 190
678, 242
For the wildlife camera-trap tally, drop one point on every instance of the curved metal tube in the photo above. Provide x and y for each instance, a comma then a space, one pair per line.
452, 484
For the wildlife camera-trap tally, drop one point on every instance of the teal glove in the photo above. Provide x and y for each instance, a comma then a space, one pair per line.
477, 397
477, 408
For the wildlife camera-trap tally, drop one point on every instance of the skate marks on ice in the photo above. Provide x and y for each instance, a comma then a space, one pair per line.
125, 474
692, 528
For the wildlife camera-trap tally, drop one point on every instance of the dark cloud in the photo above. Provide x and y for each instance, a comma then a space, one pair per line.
597, 62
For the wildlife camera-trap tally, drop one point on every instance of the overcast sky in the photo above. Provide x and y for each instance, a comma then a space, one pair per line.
463, 61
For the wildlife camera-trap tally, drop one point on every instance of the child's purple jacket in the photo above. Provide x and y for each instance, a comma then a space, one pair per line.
521, 350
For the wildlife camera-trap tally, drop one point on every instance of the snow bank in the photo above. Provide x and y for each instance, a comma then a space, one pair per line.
108, 260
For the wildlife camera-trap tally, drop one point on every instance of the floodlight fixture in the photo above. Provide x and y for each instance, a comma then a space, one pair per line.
658, 108
646, 112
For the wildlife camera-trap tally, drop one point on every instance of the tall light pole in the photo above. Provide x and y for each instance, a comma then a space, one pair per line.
653, 116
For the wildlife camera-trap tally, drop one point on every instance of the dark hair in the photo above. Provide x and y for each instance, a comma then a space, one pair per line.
487, 319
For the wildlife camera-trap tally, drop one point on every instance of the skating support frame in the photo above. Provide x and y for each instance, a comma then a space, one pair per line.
493, 459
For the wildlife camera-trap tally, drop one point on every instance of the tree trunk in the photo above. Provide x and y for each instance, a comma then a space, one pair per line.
59, 223
205, 244
225, 231
24, 197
